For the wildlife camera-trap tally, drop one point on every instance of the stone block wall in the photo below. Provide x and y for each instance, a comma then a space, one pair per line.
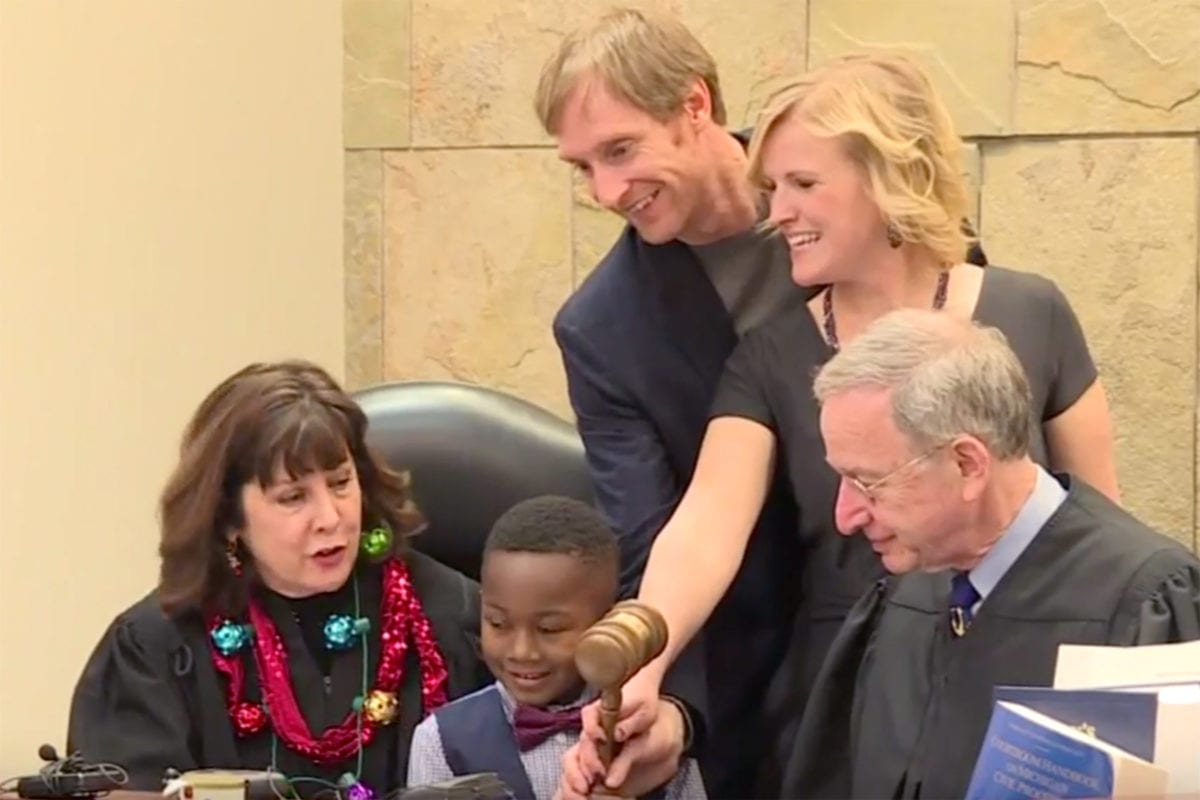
464, 233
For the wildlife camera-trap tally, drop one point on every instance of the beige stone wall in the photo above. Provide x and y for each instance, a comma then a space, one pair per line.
463, 233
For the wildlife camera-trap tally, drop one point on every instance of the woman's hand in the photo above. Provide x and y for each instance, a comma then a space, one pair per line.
639, 707
651, 733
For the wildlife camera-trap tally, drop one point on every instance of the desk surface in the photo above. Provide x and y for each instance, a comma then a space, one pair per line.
120, 794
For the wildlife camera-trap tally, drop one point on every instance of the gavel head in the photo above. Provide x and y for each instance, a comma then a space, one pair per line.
623, 641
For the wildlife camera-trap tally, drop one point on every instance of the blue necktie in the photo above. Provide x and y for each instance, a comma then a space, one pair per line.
963, 597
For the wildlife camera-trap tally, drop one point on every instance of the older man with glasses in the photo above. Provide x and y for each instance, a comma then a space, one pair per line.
995, 562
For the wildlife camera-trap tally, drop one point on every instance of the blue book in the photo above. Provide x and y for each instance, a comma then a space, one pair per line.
1127, 720
1028, 754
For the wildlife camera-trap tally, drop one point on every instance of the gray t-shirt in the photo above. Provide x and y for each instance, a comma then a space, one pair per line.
752, 274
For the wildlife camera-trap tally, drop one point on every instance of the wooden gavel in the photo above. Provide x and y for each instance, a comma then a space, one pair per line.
609, 653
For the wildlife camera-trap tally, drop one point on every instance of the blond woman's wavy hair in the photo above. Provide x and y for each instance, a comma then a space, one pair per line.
884, 110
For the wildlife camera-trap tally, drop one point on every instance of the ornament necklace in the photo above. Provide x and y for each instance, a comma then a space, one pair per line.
830, 324
401, 619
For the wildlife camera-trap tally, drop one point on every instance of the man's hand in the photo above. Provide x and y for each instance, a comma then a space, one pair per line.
647, 759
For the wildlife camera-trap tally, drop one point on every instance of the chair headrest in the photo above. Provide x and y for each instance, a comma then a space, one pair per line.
472, 452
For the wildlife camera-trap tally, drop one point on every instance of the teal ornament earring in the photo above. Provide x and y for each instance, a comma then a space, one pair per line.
340, 630
377, 542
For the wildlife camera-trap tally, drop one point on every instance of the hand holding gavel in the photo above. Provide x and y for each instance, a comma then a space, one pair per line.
609, 653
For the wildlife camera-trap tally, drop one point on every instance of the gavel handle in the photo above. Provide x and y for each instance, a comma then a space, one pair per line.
610, 711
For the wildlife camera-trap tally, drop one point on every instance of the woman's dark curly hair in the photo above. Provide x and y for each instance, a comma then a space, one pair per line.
290, 415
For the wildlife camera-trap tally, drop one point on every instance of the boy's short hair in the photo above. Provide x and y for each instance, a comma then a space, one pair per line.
553, 524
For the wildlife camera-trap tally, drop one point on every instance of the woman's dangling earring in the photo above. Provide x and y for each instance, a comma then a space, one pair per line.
377, 542
893, 236
231, 555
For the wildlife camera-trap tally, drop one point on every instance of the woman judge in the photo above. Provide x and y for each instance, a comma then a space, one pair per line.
292, 628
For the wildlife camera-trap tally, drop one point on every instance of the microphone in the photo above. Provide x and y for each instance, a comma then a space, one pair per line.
69, 777
71, 765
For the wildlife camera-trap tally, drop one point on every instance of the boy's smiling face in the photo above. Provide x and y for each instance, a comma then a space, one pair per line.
535, 608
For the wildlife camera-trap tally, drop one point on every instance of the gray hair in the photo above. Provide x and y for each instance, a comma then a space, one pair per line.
948, 377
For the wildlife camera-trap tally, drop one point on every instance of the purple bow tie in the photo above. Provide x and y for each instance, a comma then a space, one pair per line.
534, 725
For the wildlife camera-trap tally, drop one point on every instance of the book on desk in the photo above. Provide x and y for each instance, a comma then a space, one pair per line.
1116, 722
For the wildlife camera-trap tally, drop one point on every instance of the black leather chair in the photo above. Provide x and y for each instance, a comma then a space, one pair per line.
472, 453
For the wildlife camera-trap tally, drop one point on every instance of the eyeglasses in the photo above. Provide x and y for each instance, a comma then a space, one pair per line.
868, 490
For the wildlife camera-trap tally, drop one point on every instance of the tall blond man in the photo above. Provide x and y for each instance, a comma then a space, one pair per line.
635, 105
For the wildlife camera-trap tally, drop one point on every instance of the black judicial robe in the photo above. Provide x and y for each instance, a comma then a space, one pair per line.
901, 706
150, 698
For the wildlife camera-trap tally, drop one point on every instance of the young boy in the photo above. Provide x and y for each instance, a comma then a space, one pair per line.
549, 572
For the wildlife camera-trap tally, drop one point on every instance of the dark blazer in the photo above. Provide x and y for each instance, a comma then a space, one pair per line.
644, 340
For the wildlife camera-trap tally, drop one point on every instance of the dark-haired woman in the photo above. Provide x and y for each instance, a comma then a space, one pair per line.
291, 629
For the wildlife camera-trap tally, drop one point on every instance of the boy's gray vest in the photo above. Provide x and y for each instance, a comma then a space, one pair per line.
477, 737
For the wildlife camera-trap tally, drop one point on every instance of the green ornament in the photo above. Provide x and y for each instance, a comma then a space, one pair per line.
377, 542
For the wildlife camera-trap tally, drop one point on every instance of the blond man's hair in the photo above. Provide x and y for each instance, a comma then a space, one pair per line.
884, 110
650, 61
